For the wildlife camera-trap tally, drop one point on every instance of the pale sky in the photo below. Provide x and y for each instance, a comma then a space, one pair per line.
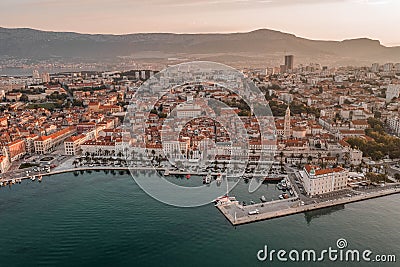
315, 19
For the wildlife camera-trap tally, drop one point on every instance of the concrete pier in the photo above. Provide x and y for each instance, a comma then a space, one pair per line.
237, 214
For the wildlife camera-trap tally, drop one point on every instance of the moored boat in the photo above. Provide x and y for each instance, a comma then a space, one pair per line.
272, 179
219, 179
207, 179
248, 176
225, 199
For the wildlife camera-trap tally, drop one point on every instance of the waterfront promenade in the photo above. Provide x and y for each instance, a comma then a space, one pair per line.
68, 166
237, 214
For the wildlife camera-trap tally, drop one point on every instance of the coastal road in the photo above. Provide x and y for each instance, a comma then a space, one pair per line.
293, 177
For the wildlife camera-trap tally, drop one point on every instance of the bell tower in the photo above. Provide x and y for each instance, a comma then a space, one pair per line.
287, 127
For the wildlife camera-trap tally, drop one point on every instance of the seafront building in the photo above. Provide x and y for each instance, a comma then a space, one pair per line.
318, 181
72, 145
47, 143
15, 150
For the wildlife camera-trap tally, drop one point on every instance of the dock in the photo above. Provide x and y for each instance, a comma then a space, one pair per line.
58, 170
237, 214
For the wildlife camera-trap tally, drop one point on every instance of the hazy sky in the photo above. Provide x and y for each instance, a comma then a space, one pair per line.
316, 19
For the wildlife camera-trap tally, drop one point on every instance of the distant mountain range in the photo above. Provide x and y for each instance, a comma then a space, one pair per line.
253, 48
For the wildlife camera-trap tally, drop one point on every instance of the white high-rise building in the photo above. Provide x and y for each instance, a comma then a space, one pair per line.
375, 67
397, 67
35, 74
394, 124
45, 77
392, 91
143, 74
388, 67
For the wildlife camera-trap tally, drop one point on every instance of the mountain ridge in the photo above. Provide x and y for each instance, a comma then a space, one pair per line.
258, 45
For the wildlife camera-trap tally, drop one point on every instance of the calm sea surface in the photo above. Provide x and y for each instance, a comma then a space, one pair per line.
100, 219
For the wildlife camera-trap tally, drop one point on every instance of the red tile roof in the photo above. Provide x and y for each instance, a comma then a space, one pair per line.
319, 171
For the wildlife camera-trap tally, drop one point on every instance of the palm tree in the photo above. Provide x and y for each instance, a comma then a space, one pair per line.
370, 168
75, 163
346, 157
126, 152
301, 158
309, 159
359, 167
281, 156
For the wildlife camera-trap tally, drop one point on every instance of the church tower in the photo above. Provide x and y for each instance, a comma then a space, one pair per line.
287, 129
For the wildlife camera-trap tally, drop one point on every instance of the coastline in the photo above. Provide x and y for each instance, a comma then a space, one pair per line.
235, 213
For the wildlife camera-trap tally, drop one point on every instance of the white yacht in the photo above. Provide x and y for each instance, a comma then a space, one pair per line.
207, 179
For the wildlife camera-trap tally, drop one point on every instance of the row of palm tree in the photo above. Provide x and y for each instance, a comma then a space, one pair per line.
310, 158
106, 156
